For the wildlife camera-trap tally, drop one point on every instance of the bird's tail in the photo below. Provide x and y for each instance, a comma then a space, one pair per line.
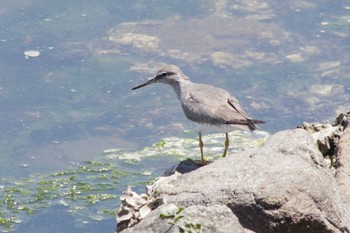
252, 122
255, 121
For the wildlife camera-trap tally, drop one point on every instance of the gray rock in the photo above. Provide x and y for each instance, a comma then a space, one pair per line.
207, 219
327, 135
342, 163
283, 186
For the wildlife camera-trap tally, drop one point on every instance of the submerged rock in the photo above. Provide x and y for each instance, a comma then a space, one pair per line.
31, 53
283, 186
215, 38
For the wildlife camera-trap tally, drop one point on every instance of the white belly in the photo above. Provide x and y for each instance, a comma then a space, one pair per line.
225, 128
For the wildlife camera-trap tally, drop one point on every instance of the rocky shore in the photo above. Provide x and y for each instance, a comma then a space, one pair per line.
297, 181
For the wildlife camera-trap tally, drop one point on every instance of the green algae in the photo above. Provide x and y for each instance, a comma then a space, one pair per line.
160, 144
89, 190
183, 148
75, 188
72, 100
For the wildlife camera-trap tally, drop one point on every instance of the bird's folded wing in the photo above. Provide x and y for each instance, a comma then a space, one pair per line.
233, 102
216, 111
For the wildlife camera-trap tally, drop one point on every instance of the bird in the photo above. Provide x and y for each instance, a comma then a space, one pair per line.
208, 106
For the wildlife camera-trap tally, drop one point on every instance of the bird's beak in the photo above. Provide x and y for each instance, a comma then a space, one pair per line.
153, 80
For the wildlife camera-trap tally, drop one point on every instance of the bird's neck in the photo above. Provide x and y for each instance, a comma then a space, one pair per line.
180, 87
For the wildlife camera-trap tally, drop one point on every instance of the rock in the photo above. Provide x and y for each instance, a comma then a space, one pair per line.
297, 57
283, 186
329, 65
327, 135
212, 40
170, 218
342, 153
135, 207
31, 53
327, 90
140, 41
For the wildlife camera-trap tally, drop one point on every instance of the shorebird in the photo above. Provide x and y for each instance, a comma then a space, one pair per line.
210, 107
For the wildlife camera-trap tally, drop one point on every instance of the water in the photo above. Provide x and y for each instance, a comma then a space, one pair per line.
286, 62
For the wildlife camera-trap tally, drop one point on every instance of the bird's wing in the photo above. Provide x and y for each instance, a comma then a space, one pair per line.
213, 105
233, 102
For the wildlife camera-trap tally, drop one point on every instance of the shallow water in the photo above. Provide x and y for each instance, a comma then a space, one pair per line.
286, 62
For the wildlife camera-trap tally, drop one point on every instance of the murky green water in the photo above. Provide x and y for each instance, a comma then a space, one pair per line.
70, 105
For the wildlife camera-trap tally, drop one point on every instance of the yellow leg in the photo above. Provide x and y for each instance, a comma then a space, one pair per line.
201, 148
227, 143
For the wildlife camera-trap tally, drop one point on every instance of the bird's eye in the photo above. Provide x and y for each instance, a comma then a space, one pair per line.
162, 75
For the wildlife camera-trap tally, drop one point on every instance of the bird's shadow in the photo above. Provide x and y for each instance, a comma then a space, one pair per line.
185, 166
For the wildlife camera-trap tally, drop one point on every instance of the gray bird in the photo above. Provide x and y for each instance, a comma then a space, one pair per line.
210, 107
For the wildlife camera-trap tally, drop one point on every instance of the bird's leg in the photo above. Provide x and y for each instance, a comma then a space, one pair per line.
201, 148
227, 143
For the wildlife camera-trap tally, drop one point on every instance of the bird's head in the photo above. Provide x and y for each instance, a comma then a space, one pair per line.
168, 74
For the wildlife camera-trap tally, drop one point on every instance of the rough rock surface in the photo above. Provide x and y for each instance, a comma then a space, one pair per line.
283, 186
342, 163
215, 218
